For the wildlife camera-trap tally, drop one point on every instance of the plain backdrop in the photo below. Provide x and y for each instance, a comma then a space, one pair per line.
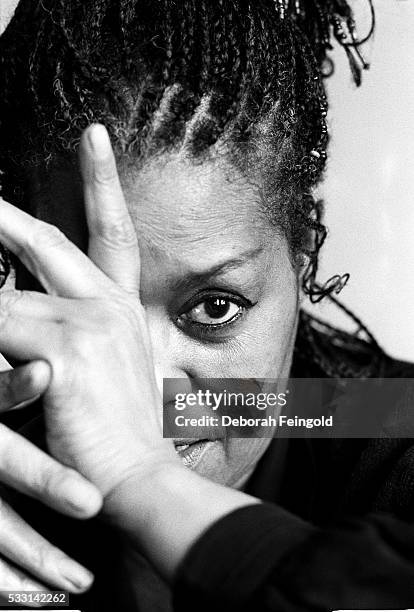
369, 187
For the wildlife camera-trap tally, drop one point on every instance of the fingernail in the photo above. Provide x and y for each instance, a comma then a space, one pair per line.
77, 575
99, 141
82, 497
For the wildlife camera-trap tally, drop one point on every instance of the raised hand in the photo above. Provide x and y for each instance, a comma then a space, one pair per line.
102, 406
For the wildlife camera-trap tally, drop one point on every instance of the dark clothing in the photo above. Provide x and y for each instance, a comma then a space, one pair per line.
336, 530
329, 539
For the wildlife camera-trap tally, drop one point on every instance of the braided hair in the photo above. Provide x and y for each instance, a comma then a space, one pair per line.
239, 76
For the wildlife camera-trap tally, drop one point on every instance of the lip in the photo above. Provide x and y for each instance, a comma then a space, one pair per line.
186, 441
192, 451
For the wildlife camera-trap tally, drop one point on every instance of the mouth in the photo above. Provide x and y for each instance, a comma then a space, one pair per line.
191, 451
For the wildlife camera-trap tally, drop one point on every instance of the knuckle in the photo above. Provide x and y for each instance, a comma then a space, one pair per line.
36, 557
105, 172
82, 342
44, 557
45, 235
114, 316
77, 344
8, 299
52, 480
95, 333
117, 231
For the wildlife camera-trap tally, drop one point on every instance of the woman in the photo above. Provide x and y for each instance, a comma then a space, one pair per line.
203, 236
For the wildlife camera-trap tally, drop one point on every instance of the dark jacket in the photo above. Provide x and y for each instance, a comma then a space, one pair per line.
336, 530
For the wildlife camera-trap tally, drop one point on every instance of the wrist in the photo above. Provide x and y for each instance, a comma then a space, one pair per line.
163, 512
134, 492
131, 503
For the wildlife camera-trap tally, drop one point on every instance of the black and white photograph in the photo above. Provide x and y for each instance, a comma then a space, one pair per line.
206, 305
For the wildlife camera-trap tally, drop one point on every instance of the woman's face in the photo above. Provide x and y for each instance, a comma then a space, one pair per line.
219, 289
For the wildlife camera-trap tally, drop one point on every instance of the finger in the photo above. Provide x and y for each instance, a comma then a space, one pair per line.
56, 262
22, 545
36, 305
113, 244
29, 338
23, 385
27, 469
13, 579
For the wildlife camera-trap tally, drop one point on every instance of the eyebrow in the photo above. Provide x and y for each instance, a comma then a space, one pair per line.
195, 278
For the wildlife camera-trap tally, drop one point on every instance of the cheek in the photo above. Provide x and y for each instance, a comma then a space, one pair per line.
269, 340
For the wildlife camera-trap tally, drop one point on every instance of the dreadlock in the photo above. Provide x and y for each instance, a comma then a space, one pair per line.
239, 76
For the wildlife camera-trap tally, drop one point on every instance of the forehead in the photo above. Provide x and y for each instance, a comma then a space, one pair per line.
178, 206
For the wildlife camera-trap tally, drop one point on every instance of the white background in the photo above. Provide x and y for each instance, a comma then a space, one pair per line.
370, 182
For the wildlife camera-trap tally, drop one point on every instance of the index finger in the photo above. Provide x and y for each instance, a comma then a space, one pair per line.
113, 244
56, 262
